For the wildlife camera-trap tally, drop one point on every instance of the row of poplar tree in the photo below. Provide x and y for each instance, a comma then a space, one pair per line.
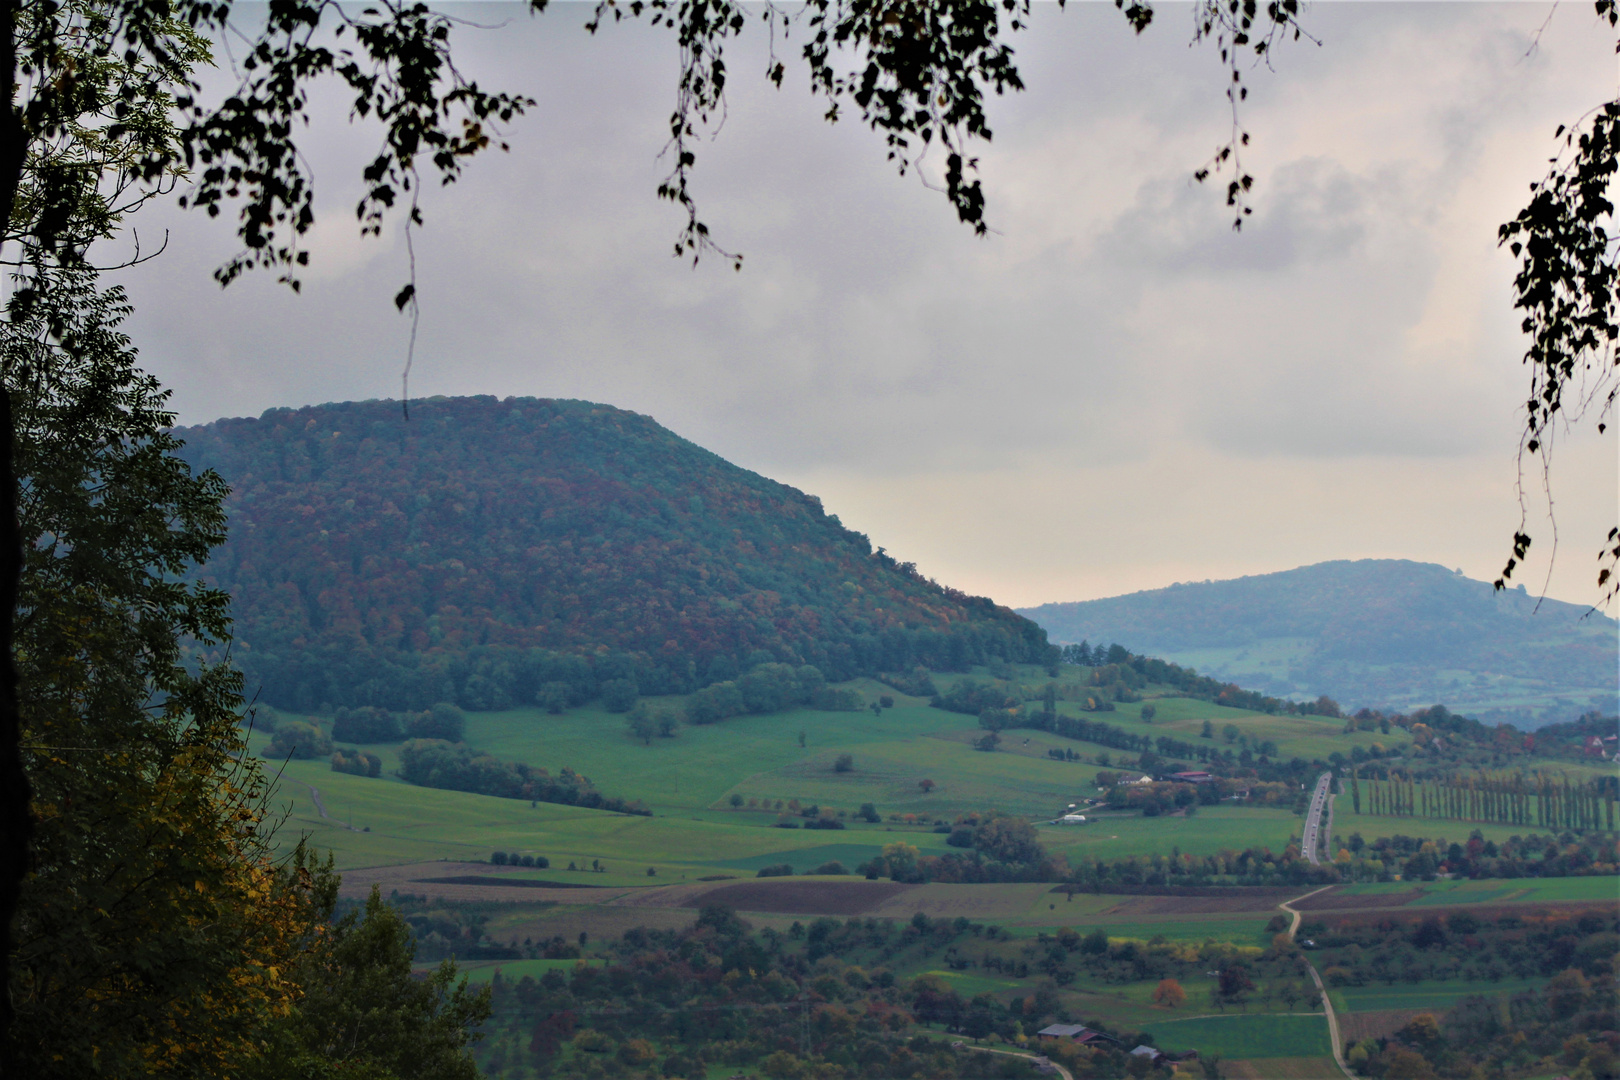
1509, 798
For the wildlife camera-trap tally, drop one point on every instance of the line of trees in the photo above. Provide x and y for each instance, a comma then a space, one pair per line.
435, 763
356, 762
1117, 667
770, 688
1507, 798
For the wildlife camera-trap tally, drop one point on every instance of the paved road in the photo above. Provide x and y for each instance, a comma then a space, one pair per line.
1314, 837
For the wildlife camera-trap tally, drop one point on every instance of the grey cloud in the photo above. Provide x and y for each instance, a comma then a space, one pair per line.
1313, 210
1110, 314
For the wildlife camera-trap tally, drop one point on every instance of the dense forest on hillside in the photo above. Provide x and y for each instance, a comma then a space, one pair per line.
1378, 632
495, 552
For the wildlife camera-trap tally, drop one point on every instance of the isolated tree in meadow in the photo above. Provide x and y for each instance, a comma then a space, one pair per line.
901, 858
927, 786
619, 695
641, 725
1169, 994
1234, 982
443, 721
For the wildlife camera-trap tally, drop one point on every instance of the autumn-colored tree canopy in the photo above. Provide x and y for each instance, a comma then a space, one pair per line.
1169, 994
487, 549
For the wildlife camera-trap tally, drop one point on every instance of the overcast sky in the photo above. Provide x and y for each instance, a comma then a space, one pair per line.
1109, 393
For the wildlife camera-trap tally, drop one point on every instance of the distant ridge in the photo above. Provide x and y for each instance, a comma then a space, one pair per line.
1378, 632
487, 549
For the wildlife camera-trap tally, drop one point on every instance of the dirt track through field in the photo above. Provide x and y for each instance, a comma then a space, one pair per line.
1292, 907
1334, 900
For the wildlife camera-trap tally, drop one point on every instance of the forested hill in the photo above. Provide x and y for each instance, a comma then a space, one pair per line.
487, 548
1372, 632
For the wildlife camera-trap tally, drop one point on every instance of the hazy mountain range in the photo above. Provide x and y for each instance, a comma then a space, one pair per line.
1377, 632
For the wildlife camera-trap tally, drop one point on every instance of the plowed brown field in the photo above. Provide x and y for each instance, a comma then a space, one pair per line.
786, 897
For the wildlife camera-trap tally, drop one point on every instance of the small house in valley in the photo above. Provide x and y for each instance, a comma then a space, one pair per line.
1075, 1033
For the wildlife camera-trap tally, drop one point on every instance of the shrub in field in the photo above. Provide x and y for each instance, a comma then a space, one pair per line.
443, 721
367, 724
299, 739
356, 763
619, 695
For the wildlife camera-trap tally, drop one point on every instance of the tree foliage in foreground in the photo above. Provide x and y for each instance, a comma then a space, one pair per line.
158, 933
153, 908
360, 1011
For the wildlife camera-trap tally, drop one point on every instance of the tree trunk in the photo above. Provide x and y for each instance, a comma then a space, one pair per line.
16, 824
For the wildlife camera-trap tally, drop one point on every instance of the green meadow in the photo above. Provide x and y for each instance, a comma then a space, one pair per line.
1247, 1035
1436, 995
1213, 829
1530, 890
691, 780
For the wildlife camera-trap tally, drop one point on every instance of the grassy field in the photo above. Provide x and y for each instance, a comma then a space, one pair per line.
1529, 890
1247, 1035
411, 824
1427, 995
1237, 930
1347, 821
1215, 828
691, 779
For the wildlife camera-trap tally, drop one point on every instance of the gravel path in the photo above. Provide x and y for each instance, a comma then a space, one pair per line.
1327, 1002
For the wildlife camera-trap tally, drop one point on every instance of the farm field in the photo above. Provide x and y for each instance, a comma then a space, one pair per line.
1296, 736
701, 849
1215, 828
1347, 821
1529, 890
1281, 1069
1437, 995
690, 781
1248, 1035
410, 824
